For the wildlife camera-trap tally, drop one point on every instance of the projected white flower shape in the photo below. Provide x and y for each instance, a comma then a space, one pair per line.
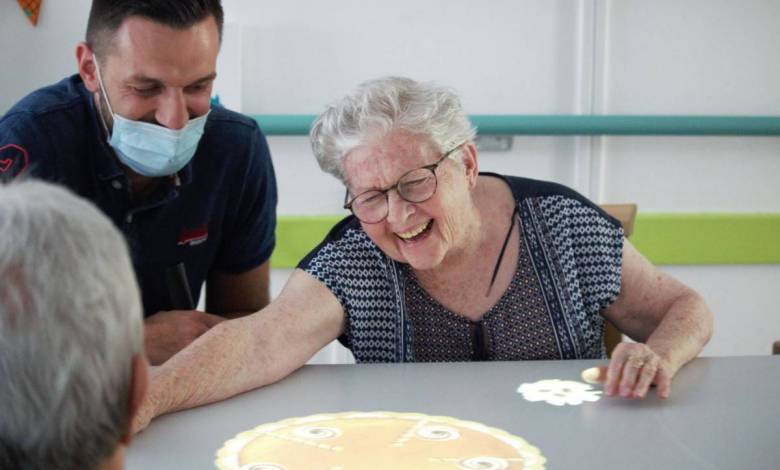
559, 392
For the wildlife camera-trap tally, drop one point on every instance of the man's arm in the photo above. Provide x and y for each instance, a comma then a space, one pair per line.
235, 295
25, 150
670, 321
227, 296
166, 333
249, 352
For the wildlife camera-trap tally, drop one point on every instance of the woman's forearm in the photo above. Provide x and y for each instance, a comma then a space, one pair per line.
221, 363
249, 352
683, 331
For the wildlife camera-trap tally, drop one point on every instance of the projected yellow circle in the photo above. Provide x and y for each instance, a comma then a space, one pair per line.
377, 440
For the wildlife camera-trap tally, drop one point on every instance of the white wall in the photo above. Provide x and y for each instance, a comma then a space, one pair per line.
33, 57
607, 57
512, 56
692, 57
321, 49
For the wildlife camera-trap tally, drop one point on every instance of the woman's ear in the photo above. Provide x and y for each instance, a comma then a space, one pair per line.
469, 158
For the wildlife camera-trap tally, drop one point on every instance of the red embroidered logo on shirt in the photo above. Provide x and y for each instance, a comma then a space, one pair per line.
194, 237
13, 161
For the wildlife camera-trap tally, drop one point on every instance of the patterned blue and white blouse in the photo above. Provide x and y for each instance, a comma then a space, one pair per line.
568, 269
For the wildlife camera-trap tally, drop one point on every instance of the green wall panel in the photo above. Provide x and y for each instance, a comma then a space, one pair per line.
708, 238
297, 235
688, 239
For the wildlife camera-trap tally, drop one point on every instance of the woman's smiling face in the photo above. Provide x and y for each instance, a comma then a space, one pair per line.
420, 234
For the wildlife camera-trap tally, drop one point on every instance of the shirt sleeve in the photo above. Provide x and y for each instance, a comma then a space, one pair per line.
343, 254
250, 239
354, 270
590, 244
23, 147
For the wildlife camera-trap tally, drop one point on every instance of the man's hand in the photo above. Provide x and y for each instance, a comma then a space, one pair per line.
166, 333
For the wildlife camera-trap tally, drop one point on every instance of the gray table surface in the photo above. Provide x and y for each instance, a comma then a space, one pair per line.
723, 413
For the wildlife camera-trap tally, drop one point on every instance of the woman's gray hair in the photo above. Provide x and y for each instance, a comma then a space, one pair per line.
379, 107
70, 324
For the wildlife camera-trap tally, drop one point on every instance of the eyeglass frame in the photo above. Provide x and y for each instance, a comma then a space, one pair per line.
432, 168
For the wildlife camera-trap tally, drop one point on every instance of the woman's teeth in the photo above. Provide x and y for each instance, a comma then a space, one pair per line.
414, 232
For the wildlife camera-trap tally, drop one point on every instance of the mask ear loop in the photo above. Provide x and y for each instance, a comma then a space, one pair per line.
100, 84
105, 96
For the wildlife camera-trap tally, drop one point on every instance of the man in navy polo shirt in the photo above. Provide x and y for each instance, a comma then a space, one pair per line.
191, 188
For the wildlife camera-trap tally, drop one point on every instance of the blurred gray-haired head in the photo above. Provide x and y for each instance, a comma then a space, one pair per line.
385, 105
70, 325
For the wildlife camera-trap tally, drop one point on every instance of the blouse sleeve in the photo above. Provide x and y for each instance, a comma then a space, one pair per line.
352, 268
590, 244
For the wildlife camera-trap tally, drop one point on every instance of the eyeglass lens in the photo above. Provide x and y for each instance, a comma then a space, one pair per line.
416, 186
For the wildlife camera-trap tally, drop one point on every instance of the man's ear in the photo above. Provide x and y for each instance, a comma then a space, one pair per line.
469, 158
85, 59
139, 382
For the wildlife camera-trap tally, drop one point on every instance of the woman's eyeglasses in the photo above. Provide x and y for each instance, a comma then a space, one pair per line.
418, 185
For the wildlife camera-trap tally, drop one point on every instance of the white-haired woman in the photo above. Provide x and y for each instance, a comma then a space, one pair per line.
440, 262
443, 263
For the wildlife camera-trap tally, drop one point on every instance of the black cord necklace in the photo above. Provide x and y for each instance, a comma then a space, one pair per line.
503, 249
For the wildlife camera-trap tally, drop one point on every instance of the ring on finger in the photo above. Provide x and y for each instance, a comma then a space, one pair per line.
637, 362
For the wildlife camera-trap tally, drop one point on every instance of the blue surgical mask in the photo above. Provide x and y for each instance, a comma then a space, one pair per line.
149, 149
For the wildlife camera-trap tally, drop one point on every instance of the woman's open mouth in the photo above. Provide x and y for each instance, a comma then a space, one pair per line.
417, 233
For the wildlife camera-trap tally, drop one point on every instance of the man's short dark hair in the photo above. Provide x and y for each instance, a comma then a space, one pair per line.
106, 16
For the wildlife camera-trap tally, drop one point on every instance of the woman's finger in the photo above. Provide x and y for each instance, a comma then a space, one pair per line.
614, 370
663, 384
631, 369
646, 377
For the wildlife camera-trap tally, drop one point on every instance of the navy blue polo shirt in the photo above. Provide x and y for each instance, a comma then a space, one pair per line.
217, 214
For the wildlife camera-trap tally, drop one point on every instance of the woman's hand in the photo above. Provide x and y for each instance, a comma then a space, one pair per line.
670, 322
142, 419
148, 408
633, 368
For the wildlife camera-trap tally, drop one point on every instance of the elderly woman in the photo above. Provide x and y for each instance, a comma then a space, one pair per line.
443, 263
440, 262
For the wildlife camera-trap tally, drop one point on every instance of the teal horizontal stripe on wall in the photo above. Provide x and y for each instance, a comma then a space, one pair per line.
513, 124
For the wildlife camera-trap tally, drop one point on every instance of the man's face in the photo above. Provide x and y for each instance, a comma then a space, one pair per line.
157, 74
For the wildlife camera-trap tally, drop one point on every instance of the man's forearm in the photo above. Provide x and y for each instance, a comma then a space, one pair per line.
236, 314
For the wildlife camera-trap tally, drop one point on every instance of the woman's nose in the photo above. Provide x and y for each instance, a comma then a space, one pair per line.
398, 209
